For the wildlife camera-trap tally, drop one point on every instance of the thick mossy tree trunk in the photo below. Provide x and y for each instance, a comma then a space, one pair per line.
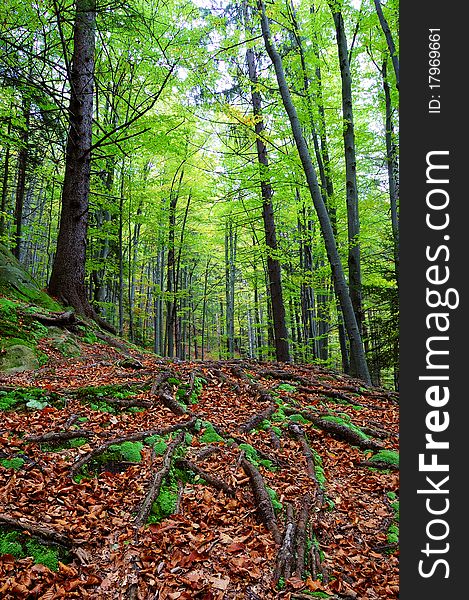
340, 284
67, 281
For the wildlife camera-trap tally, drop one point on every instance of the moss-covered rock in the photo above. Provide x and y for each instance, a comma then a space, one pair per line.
15, 282
18, 358
63, 341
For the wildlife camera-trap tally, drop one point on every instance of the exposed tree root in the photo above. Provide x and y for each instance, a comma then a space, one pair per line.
163, 390
39, 531
301, 536
210, 479
238, 440
286, 553
337, 430
263, 393
342, 432
378, 464
62, 319
59, 436
263, 502
299, 434
256, 420
376, 432
155, 486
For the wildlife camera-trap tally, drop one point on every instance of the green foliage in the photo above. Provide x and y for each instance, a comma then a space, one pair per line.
116, 391
88, 335
164, 505
158, 443
9, 544
77, 442
319, 470
264, 425
279, 415
297, 418
393, 534
12, 463
253, 457
281, 584
34, 398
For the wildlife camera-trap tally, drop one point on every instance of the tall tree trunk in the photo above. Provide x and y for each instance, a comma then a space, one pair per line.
282, 352
204, 309
353, 219
6, 173
340, 283
325, 176
230, 261
67, 281
393, 177
21, 181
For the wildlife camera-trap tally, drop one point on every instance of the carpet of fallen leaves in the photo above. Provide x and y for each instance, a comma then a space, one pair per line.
214, 546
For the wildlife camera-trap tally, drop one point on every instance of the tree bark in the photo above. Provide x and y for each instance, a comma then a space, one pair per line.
67, 281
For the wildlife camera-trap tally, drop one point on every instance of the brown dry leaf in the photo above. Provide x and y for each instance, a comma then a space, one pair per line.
295, 583
220, 583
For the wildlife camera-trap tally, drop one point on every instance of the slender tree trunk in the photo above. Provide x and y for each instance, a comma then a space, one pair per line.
230, 261
121, 252
282, 352
6, 173
325, 174
21, 181
204, 309
353, 219
340, 283
389, 39
393, 177
67, 281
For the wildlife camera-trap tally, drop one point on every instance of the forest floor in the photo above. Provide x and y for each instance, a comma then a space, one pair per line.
150, 478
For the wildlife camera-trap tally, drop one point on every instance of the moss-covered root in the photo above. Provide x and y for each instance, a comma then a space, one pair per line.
263, 501
144, 511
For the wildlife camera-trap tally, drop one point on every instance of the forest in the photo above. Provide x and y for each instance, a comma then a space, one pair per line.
210, 179
199, 300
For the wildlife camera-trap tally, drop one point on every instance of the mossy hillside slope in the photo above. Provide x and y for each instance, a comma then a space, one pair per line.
21, 300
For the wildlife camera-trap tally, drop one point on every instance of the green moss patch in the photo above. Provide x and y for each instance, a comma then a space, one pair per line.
19, 545
390, 457
253, 457
165, 504
209, 435
12, 463
29, 398
345, 421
